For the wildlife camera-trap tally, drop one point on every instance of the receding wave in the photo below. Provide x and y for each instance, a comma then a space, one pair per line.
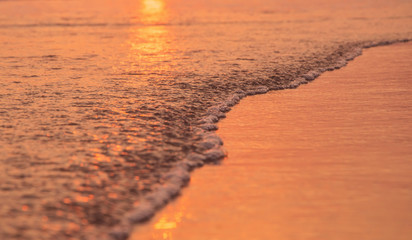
101, 121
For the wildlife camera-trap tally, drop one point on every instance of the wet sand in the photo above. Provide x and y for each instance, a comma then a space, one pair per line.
330, 160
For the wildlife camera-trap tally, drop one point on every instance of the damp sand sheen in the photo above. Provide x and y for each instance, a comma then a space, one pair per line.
329, 160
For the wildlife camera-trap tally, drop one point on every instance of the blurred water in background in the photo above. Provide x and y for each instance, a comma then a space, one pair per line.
98, 99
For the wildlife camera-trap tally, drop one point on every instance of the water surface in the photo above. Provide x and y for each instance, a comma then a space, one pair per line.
100, 99
329, 160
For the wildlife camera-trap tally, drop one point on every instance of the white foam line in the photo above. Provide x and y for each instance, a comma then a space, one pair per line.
211, 145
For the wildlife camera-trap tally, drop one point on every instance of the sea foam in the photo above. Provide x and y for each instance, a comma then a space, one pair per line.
211, 144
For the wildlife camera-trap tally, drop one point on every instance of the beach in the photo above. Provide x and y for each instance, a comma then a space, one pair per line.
107, 106
324, 161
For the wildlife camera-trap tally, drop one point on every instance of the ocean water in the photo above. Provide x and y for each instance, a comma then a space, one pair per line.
332, 161
106, 105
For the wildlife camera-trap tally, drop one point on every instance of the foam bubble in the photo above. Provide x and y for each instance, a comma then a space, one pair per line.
234, 99
141, 213
297, 82
176, 179
209, 119
210, 141
258, 90
119, 233
311, 75
195, 157
215, 154
209, 127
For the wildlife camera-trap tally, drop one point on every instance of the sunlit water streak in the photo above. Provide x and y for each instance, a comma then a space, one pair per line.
99, 99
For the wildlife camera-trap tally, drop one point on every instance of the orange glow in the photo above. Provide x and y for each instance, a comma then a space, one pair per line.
150, 44
153, 6
101, 158
163, 223
153, 12
25, 208
72, 227
116, 148
80, 198
112, 195
154, 44
168, 223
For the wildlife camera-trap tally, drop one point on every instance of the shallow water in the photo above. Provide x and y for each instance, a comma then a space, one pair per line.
329, 160
100, 99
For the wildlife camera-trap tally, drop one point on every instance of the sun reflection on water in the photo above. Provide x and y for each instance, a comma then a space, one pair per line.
164, 223
167, 223
153, 12
153, 6
150, 43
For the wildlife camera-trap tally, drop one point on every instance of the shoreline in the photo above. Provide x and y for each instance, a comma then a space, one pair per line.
194, 186
180, 175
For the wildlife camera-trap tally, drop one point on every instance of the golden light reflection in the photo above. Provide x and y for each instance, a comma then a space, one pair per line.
153, 12
164, 223
81, 198
153, 6
150, 41
167, 223
101, 157
150, 44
